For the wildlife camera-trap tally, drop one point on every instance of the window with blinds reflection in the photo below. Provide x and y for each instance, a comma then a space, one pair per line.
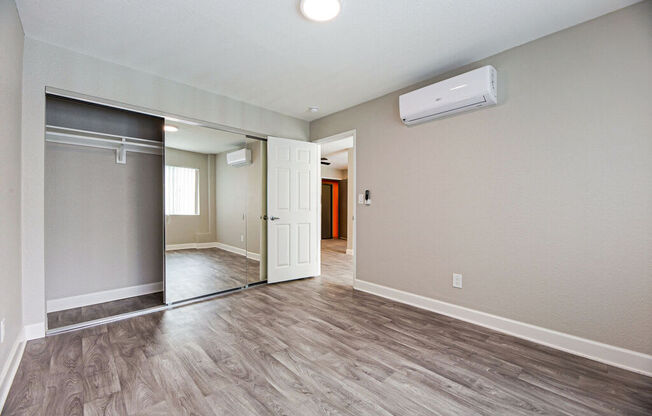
181, 191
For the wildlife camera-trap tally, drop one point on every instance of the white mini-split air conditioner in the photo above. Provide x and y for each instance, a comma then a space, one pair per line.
464, 92
239, 157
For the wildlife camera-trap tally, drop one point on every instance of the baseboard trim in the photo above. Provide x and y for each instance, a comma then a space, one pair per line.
237, 250
184, 246
225, 247
11, 367
604, 353
60, 304
34, 331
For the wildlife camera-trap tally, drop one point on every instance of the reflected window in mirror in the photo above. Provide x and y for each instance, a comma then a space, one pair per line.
181, 190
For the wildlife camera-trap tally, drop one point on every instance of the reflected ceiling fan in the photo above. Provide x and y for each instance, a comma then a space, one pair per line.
324, 161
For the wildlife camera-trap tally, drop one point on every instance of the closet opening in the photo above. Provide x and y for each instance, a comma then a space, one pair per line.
145, 211
103, 212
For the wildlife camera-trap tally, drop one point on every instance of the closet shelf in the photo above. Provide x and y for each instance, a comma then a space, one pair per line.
120, 144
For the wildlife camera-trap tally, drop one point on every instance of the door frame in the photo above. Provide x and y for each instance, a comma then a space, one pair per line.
353, 182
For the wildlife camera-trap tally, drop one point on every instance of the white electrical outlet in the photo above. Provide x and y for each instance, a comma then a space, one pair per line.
2, 330
457, 280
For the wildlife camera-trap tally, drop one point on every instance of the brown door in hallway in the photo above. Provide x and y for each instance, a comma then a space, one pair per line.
326, 210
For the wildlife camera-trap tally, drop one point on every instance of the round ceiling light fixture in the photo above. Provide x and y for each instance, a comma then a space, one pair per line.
320, 10
169, 128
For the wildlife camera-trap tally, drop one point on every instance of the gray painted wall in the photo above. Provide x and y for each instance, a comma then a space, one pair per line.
239, 190
48, 65
231, 202
11, 70
194, 228
102, 220
543, 203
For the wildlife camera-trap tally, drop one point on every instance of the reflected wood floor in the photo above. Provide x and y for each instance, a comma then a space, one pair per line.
103, 310
311, 347
197, 272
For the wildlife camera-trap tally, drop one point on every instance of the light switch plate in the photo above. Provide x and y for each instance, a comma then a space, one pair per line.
360, 198
2, 330
457, 280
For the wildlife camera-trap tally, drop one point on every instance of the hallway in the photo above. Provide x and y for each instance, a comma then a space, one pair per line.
336, 265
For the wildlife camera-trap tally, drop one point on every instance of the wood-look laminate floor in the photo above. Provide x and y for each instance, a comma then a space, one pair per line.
311, 347
198, 272
103, 310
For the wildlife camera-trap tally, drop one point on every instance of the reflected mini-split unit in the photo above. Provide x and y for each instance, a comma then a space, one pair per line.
240, 157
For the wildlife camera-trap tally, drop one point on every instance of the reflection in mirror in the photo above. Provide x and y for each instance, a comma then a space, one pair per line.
214, 209
256, 212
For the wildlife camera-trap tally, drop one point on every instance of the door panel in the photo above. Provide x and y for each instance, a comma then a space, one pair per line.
208, 252
283, 245
293, 173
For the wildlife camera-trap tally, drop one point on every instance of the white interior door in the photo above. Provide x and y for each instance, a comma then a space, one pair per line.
293, 186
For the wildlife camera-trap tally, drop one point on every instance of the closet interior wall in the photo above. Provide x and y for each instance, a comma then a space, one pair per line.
103, 220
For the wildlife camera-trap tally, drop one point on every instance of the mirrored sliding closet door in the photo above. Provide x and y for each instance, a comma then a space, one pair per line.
257, 212
214, 214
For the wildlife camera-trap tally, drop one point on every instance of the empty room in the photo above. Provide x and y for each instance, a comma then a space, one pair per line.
325, 207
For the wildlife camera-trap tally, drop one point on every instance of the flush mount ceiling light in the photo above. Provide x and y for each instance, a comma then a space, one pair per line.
170, 128
320, 10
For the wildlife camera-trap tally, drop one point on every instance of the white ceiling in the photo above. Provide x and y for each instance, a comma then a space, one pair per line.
339, 160
264, 53
337, 152
336, 146
202, 139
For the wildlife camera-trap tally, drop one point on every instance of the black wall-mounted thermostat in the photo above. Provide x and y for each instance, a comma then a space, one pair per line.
364, 199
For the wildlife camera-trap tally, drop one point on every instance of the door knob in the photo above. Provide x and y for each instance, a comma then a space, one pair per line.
274, 218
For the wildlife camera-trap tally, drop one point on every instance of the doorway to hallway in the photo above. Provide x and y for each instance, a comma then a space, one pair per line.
338, 207
336, 265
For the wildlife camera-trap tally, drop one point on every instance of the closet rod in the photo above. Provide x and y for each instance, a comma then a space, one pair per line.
120, 144
88, 133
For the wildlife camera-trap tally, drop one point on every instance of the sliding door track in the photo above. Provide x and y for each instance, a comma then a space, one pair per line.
161, 308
